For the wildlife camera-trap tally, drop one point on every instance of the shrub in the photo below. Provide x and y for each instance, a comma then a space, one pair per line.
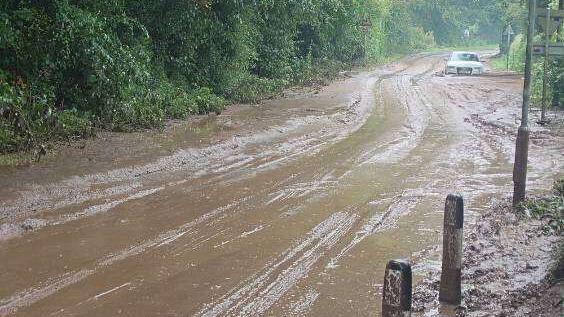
206, 101
73, 123
67, 66
550, 208
251, 88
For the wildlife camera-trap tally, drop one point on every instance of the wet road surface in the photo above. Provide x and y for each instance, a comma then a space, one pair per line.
289, 208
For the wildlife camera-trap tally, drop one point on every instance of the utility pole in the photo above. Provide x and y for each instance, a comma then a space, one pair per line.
509, 32
558, 89
522, 143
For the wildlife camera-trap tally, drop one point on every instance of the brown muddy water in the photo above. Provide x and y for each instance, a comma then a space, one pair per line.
288, 208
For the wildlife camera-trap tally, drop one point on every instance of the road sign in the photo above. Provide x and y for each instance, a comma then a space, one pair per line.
556, 17
554, 49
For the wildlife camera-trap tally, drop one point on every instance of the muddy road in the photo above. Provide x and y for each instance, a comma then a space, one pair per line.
289, 208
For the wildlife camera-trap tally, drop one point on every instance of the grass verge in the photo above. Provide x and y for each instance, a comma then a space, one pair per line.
549, 208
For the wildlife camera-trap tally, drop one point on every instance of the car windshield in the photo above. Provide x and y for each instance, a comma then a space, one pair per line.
464, 57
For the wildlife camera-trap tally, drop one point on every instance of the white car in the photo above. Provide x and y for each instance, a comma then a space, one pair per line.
464, 63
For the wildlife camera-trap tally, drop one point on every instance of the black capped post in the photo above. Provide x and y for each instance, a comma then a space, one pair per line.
396, 298
451, 274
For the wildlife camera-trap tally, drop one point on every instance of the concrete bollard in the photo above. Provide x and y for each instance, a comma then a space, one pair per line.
396, 297
450, 290
520, 166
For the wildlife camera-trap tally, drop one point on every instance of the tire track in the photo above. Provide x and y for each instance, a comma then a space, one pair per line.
257, 294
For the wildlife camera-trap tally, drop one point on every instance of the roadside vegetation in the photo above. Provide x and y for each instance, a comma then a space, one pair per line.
549, 208
70, 67
513, 58
516, 63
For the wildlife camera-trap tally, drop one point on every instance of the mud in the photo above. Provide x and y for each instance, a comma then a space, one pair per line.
288, 208
509, 265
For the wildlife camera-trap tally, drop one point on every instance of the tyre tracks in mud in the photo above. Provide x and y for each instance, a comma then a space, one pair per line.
296, 219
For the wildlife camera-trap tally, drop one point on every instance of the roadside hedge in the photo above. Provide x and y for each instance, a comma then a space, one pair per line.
68, 67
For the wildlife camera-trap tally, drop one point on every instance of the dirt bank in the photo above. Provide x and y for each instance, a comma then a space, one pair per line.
510, 268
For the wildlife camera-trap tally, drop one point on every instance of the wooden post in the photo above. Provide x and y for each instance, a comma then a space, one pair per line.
396, 298
450, 290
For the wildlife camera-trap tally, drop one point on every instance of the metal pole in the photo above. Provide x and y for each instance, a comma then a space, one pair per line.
560, 7
365, 46
545, 71
522, 144
513, 57
508, 49
509, 32
558, 87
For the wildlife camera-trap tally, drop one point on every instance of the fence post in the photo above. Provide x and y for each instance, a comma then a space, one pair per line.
450, 290
396, 297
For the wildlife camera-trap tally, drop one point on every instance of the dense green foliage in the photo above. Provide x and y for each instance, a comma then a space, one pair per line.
447, 19
69, 66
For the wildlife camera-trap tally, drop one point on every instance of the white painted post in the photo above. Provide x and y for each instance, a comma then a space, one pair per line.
450, 289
